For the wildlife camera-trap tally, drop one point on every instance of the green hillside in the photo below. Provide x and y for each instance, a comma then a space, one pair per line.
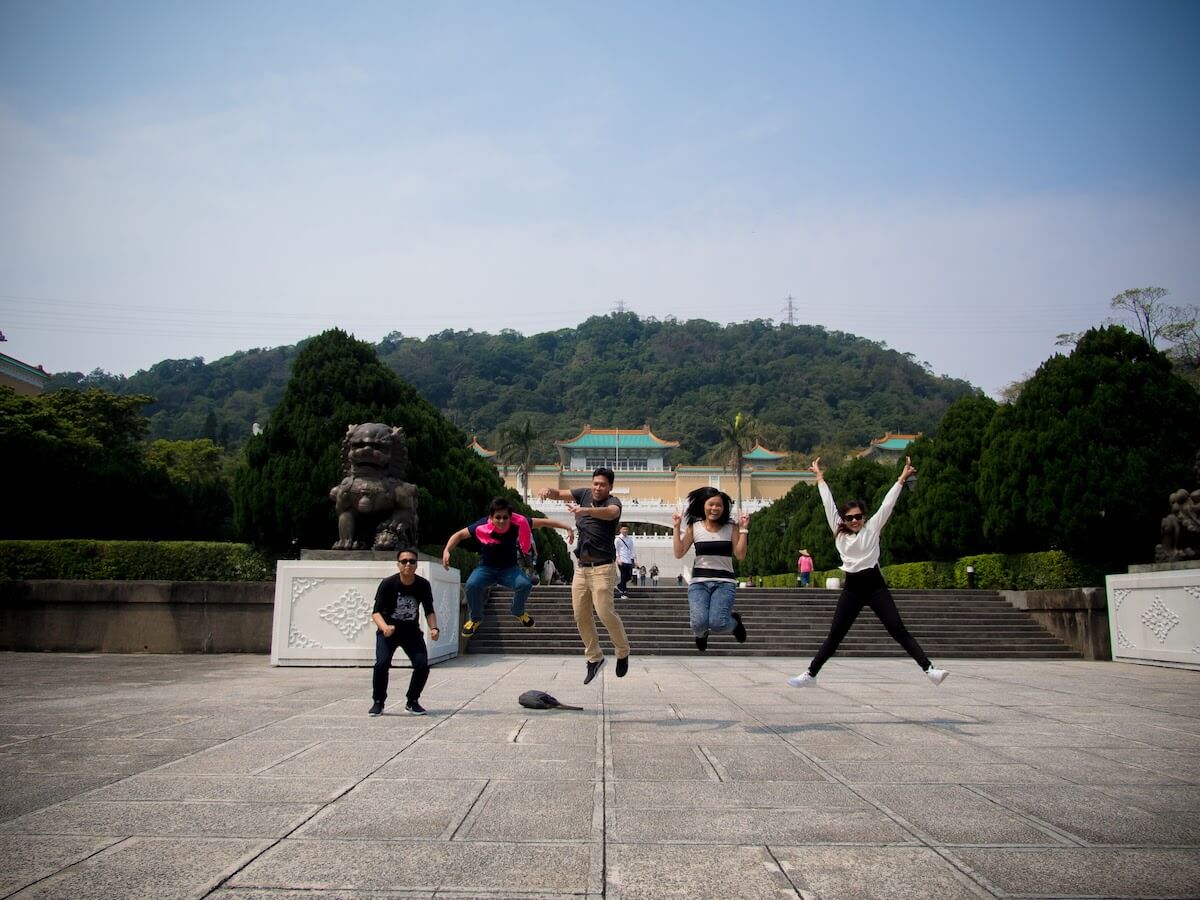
808, 387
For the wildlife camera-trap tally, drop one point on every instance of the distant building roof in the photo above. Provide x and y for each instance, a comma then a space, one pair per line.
22, 377
628, 439
890, 443
761, 453
480, 449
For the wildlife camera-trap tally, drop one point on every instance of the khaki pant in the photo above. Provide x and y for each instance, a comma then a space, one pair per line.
592, 588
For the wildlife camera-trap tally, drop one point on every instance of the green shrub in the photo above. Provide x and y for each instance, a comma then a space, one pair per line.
920, 576
993, 572
133, 561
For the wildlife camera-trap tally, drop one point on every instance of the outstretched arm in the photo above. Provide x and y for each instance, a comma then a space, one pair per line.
554, 523
831, 514
461, 535
893, 495
555, 494
741, 536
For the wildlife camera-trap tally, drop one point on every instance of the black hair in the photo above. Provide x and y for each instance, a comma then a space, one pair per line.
843, 528
412, 550
700, 496
605, 472
500, 504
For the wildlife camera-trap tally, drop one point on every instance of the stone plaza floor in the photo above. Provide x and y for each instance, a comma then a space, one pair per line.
220, 776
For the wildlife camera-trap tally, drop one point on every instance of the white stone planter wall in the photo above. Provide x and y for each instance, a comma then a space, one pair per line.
1155, 617
323, 612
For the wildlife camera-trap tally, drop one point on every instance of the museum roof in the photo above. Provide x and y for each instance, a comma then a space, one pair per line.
629, 438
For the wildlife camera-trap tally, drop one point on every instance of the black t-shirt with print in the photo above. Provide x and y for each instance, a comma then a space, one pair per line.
397, 602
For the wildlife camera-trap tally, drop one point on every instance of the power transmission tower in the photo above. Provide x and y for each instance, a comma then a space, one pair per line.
620, 307
790, 309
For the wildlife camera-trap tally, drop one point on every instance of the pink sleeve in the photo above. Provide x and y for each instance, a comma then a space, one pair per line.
524, 533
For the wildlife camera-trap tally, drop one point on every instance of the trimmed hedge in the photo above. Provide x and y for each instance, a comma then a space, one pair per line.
993, 571
133, 561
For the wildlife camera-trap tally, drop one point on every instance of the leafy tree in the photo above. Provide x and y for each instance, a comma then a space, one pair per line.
944, 508
281, 495
1085, 458
737, 439
518, 445
200, 479
75, 467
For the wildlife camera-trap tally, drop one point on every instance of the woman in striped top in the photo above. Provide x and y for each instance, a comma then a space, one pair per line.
713, 587
857, 540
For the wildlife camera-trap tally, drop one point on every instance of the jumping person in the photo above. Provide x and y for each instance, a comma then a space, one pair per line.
713, 588
499, 535
597, 513
857, 540
395, 618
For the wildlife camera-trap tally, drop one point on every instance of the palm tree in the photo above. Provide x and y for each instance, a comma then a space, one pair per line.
517, 446
737, 439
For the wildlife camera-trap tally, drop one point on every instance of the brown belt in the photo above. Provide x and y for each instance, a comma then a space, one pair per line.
592, 565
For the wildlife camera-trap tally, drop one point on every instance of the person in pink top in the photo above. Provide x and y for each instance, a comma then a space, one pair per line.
804, 565
857, 540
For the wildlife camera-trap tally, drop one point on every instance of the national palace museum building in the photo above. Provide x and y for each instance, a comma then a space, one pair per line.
642, 463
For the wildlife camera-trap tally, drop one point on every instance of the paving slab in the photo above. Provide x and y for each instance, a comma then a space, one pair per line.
219, 776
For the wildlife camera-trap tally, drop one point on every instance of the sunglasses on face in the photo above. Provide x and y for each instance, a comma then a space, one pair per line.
853, 517
407, 562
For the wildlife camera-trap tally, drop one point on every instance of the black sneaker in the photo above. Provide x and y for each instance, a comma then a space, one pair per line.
415, 708
592, 669
740, 631
623, 666
375, 710
702, 642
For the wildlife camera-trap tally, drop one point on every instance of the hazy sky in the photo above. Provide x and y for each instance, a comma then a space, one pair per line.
963, 180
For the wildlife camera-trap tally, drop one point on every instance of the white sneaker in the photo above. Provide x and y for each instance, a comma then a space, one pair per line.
805, 680
936, 675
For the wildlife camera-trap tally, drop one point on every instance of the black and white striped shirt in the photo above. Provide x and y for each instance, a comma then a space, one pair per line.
714, 553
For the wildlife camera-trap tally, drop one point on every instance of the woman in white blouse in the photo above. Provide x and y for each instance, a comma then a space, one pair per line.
857, 540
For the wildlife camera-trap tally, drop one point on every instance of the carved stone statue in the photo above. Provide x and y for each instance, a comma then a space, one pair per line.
1181, 526
376, 507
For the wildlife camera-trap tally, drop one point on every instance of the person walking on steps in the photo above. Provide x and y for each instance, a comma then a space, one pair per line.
597, 513
857, 540
626, 561
713, 588
500, 534
395, 618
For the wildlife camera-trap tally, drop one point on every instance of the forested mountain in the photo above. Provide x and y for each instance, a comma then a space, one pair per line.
807, 387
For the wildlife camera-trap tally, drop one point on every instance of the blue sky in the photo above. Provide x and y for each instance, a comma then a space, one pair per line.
961, 180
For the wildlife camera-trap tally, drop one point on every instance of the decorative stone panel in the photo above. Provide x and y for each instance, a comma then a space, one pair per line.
1155, 616
323, 612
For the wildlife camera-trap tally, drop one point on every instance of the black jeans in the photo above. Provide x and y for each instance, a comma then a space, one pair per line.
413, 644
626, 570
866, 588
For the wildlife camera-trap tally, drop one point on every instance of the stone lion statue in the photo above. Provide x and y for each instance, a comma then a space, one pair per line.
376, 508
1180, 540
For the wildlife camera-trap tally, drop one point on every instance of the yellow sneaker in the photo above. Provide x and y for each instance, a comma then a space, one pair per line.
525, 619
470, 627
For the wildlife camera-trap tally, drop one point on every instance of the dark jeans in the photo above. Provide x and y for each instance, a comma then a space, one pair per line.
626, 570
413, 645
866, 589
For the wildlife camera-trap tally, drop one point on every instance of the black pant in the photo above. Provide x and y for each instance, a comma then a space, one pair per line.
866, 588
413, 644
626, 571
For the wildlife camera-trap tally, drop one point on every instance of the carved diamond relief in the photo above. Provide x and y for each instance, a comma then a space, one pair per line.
297, 638
1118, 596
1122, 640
1159, 619
349, 614
301, 586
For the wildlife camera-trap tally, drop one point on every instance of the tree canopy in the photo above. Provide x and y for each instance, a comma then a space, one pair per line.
809, 388
1085, 458
281, 495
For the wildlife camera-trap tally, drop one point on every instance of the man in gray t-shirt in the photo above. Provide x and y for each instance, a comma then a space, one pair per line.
597, 514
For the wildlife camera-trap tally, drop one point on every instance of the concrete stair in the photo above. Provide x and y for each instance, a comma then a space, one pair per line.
779, 622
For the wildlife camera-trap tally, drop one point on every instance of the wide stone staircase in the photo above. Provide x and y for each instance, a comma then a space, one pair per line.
779, 622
